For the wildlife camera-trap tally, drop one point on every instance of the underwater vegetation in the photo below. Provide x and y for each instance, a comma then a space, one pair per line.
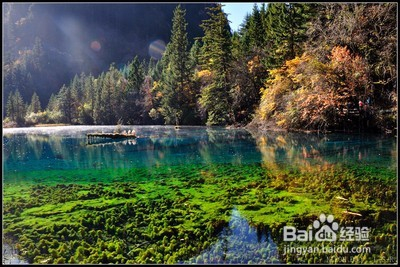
177, 214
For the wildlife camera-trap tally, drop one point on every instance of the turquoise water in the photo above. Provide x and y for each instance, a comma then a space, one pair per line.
66, 148
49, 149
28, 152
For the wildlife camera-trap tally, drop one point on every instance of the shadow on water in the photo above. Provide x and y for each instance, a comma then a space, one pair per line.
240, 243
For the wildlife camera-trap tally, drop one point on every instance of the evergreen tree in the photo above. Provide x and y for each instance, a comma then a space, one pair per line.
216, 56
176, 73
100, 110
286, 25
53, 110
248, 72
111, 104
241, 39
255, 29
65, 104
194, 55
34, 106
76, 96
16, 108
148, 104
133, 100
86, 110
10, 107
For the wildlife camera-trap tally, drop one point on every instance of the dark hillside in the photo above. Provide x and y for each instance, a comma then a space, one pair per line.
45, 45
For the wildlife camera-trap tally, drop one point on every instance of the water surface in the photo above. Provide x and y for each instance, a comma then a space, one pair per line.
66, 148
62, 155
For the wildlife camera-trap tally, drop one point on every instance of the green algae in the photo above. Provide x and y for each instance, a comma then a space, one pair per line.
171, 214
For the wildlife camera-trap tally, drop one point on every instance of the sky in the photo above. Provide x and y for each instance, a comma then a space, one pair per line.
237, 12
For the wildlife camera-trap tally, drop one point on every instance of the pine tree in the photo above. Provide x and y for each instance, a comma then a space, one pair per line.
100, 110
16, 108
286, 25
176, 73
216, 56
52, 104
53, 110
66, 104
76, 88
256, 30
86, 110
109, 94
194, 55
132, 99
34, 106
10, 107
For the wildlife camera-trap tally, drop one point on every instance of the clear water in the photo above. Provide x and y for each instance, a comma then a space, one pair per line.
234, 242
28, 152
66, 148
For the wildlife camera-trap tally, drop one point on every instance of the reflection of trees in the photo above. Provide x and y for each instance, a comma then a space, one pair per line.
301, 162
59, 147
212, 145
307, 151
295, 150
16, 148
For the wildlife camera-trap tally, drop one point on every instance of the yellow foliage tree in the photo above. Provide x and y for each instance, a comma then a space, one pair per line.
306, 93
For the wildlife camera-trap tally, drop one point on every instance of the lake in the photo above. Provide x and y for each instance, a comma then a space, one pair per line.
193, 194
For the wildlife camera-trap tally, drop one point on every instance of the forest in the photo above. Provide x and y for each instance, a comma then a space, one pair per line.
292, 66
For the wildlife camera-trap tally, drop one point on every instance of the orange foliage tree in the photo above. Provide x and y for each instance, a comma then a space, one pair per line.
306, 93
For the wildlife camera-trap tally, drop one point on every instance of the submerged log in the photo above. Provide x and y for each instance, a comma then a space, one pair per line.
92, 136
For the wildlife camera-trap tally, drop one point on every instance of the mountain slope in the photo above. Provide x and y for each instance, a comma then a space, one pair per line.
45, 45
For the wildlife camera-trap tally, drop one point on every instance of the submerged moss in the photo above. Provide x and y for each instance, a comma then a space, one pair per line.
172, 214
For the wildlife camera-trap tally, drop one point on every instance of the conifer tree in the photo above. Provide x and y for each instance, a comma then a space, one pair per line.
216, 56
176, 73
133, 99
194, 54
16, 108
66, 103
34, 106
286, 25
256, 30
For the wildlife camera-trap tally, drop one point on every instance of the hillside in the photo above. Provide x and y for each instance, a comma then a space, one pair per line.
45, 45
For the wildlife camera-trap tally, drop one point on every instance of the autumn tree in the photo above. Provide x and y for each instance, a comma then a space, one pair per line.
368, 29
308, 94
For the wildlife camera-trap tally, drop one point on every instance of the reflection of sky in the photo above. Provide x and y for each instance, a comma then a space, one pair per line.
236, 243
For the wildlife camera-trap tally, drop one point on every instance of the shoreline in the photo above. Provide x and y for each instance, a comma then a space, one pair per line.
253, 126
